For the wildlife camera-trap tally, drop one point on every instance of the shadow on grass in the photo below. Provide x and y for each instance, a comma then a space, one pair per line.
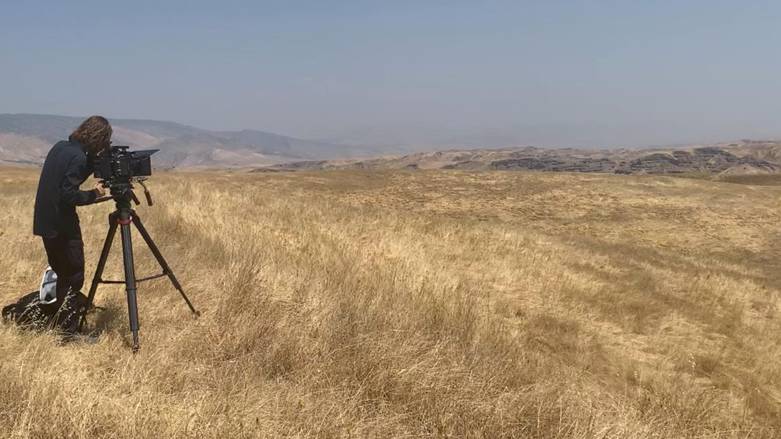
103, 319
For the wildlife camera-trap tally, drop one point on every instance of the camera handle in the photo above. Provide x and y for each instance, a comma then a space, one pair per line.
147, 194
103, 199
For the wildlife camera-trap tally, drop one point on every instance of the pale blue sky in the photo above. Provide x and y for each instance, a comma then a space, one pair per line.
650, 72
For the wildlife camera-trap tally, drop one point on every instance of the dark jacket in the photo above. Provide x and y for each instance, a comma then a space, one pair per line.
67, 166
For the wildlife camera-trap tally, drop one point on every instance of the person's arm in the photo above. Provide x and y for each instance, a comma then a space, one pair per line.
74, 175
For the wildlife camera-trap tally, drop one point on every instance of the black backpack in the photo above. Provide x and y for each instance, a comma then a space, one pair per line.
29, 313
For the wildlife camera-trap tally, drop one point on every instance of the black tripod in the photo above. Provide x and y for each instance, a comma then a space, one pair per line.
123, 217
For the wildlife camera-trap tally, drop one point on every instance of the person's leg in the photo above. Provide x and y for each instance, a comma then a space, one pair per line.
56, 249
56, 253
66, 257
68, 318
74, 274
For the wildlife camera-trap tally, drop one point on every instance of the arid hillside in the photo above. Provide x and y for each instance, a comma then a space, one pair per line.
743, 158
416, 304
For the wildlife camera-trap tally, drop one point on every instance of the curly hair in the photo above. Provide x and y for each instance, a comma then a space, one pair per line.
94, 133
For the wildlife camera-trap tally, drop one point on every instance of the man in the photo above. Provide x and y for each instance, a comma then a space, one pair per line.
67, 166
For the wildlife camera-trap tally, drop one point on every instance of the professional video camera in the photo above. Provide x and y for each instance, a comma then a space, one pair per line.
121, 166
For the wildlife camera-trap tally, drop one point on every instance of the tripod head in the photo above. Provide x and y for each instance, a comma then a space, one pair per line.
122, 193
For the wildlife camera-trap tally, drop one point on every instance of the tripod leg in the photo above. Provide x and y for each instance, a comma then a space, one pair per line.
130, 282
98, 278
159, 256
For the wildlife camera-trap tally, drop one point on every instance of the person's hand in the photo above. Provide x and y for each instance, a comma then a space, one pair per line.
99, 190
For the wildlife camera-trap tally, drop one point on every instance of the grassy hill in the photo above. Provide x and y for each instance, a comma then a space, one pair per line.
417, 304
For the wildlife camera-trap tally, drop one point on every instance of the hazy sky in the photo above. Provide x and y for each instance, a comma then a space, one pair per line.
650, 72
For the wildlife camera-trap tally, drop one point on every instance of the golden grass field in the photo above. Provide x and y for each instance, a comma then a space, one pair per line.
415, 304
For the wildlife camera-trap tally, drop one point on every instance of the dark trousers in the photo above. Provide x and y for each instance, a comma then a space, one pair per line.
66, 257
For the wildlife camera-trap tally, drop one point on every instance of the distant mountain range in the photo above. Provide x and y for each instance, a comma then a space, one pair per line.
744, 157
26, 138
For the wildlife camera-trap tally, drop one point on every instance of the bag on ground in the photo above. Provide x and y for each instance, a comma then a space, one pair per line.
30, 313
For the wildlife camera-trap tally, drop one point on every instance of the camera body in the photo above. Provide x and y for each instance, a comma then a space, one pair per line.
121, 166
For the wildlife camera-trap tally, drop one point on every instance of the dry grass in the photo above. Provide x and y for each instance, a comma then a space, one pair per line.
416, 304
